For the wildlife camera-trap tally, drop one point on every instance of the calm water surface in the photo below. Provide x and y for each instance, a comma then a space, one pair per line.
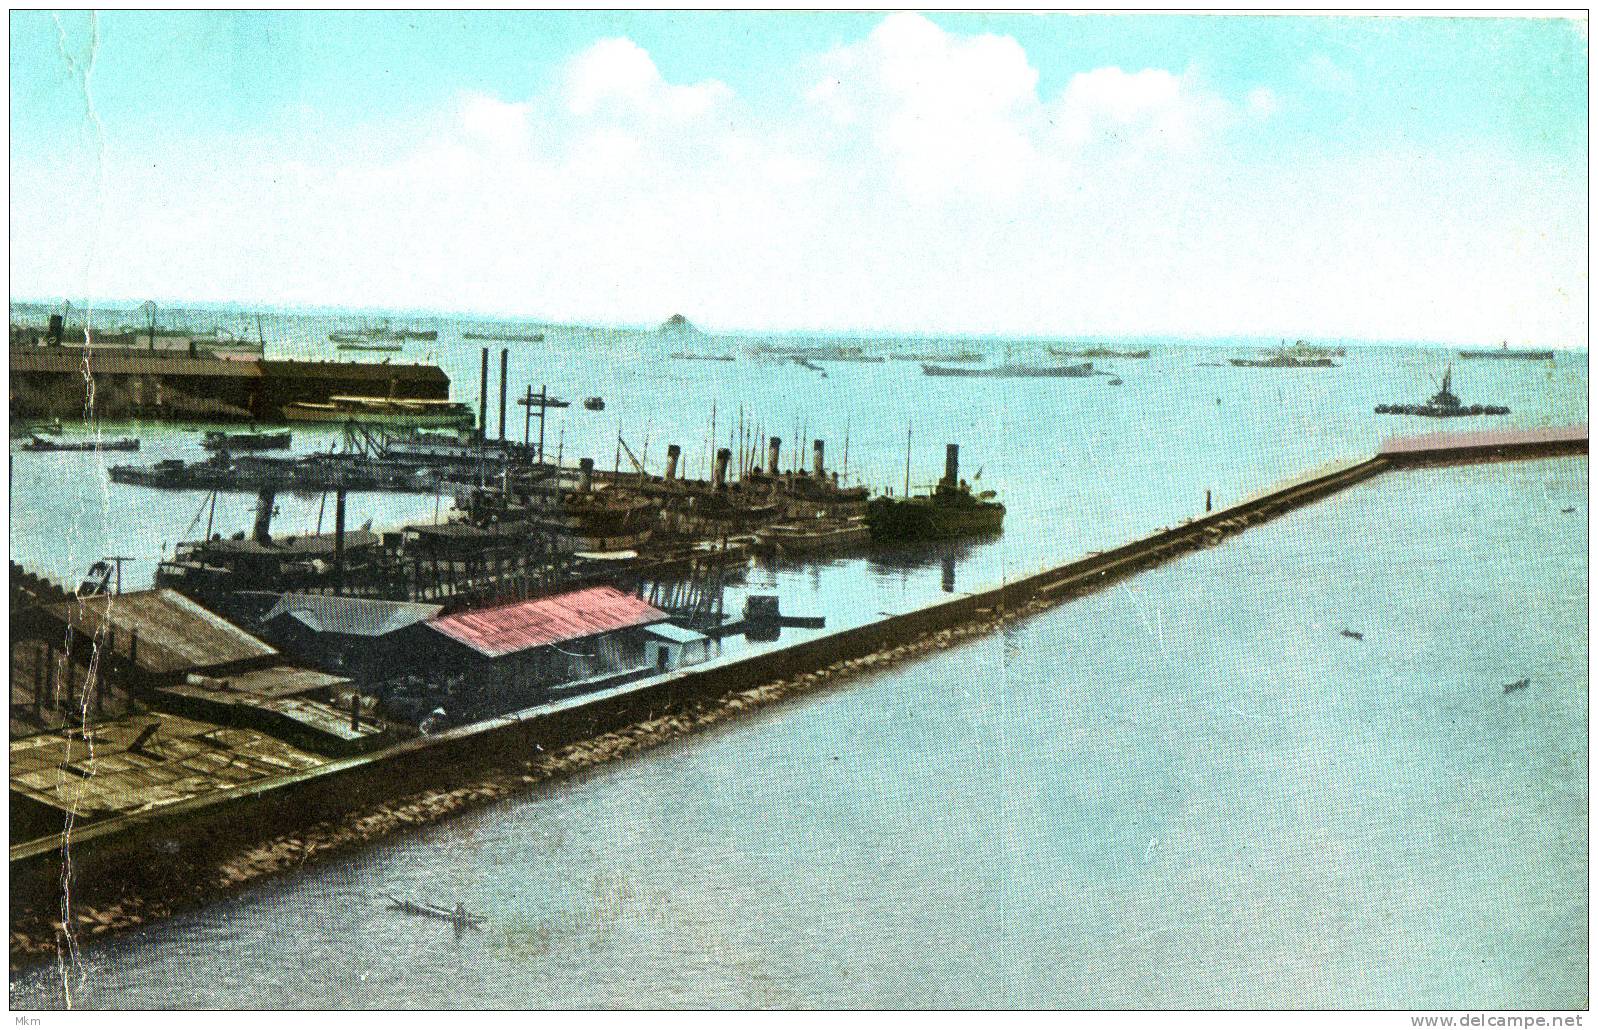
1189, 791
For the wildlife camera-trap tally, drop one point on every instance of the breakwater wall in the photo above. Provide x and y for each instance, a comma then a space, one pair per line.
160, 855
66, 382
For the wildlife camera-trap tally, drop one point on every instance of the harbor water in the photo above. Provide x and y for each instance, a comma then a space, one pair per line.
1189, 791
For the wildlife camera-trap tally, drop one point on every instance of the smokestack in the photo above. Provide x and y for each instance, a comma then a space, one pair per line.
776, 454
482, 399
673, 452
263, 516
338, 544
504, 366
821, 465
720, 477
585, 475
57, 329
951, 464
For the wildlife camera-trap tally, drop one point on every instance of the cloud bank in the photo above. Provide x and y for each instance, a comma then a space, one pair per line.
919, 181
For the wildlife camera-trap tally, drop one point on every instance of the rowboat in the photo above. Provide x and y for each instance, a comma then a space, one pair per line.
459, 916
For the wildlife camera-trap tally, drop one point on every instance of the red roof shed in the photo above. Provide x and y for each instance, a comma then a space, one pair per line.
507, 629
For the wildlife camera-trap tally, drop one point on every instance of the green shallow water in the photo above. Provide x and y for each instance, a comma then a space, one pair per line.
1187, 791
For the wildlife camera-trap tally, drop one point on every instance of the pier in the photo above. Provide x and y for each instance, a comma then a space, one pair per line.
217, 838
128, 382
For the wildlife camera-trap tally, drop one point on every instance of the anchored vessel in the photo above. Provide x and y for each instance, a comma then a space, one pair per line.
219, 441
952, 510
1286, 359
400, 411
37, 443
505, 337
1009, 371
1098, 352
1503, 351
1443, 404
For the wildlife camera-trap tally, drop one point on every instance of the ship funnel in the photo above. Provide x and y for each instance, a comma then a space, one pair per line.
820, 461
776, 454
585, 475
482, 400
673, 452
951, 464
720, 477
263, 517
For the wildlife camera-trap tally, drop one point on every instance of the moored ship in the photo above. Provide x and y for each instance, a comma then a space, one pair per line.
398, 411
951, 510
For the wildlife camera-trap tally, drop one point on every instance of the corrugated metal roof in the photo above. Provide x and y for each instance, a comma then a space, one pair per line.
65, 360
351, 616
675, 634
509, 628
175, 634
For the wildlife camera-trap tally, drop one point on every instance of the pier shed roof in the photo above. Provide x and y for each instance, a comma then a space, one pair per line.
350, 616
115, 768
510, 628
175, 635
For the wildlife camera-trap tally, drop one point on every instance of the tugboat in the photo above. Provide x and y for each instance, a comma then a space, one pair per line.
1443, 404
952, 510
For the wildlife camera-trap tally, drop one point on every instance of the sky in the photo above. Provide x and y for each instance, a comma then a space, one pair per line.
1044, 175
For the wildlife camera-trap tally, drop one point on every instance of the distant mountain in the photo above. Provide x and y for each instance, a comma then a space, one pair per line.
678, 325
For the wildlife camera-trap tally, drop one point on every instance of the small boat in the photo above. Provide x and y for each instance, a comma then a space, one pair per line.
458, 915
815, 536
218, 441
1115, 381
811, 365
1503, 351
1009, 371
543, 402
686, 356
1353, 634
36, 443
364, 345
1520, 684
1097, 352
505, 337
594, 403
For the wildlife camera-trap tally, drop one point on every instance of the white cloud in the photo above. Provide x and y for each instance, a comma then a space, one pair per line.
1262, 102
617, 77
919, 182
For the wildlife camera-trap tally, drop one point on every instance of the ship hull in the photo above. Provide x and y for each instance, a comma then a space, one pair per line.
922, 519
1014, 371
